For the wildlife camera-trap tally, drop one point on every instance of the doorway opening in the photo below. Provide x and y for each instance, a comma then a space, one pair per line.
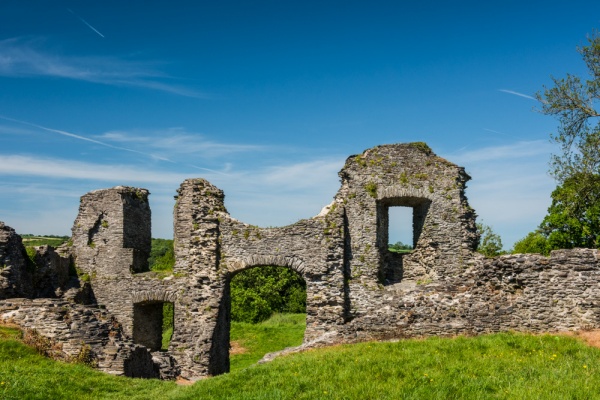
268, 313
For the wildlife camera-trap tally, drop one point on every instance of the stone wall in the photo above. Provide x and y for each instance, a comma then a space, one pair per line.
356, 288
15, 276
77, 331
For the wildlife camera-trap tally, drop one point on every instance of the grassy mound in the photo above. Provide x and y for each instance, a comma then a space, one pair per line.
502, 366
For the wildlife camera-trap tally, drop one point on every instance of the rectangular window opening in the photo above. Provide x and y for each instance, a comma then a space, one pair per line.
400, 229
153, 324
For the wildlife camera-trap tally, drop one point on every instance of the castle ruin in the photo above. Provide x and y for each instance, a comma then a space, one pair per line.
356, 288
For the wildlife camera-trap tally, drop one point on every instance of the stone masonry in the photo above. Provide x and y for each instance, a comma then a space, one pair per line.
100, 292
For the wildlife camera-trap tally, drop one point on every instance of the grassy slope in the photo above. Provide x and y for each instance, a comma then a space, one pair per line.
507, 366
276, 333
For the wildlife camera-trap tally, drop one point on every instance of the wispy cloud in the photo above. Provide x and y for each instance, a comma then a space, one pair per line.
178, 141
80, 137
85, 22
517, 94
510, 187
512, 151
21, 58
18, 165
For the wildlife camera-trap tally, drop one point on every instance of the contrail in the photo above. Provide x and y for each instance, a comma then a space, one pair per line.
72, 135
493, 131
517, 94
85, 22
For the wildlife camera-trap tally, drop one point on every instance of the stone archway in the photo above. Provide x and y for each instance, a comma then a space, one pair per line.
221, 336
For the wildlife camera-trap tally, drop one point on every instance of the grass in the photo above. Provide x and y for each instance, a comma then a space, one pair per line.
252, 341
499, 366
54, 241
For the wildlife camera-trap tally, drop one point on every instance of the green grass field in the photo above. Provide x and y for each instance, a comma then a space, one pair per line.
54, 241
499, 366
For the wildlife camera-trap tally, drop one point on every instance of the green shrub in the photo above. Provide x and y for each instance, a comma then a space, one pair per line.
534, 242
257, 293
162, 255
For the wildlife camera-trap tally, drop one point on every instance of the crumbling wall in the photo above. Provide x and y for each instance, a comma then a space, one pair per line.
111, 243
356, 289
77, 332
211, 247
15, 273
408, 175
51, 273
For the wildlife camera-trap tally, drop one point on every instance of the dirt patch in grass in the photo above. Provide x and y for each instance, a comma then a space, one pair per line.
236, 348
183, 382
592, 337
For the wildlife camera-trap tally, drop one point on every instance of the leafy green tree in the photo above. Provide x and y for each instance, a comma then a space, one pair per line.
534, 242
573, 102
490, 243
573, 218
257, 293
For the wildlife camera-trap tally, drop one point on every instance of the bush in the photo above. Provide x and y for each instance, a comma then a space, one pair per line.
257, 293
534, 242
162, 255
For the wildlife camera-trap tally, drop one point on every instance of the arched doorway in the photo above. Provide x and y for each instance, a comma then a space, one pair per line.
263, 310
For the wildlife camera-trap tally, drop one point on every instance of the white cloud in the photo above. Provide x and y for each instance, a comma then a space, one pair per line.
21, 58
178, 141
510, 189
516, 150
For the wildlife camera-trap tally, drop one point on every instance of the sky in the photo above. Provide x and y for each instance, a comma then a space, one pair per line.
266, 100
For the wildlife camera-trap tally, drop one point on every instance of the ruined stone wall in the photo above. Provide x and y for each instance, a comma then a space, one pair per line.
408, 175
356, 289
77, 331
529, 293
15, 278
211, 247
111, 243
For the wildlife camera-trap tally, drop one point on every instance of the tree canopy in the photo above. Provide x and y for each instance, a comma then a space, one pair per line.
257, 293
573, 101
573, 218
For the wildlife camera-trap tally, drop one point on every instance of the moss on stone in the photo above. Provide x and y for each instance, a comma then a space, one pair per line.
421, 146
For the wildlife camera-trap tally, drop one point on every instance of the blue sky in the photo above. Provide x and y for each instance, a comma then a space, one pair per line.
266, 99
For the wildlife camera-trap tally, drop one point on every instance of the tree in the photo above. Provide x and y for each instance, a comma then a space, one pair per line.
162, 255
573, 218
573, 102
534, 242
400, 247
490, 243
